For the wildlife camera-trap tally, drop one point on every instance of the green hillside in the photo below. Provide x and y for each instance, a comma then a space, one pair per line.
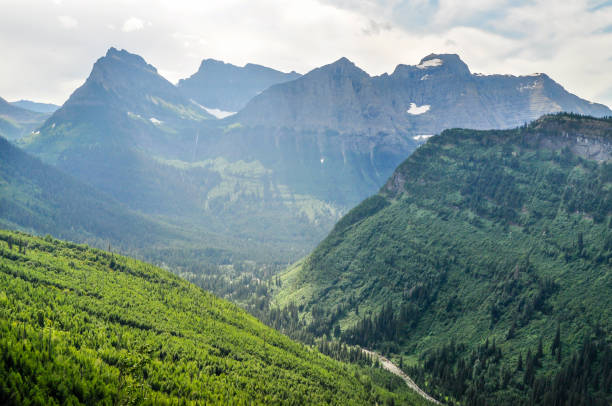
17, 122
38, 197
80, 325
483, 245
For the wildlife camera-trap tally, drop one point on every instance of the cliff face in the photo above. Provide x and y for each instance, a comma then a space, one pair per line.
438, 93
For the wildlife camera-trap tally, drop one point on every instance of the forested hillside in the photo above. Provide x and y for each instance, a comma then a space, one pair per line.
38, 197
84, 326
484, 264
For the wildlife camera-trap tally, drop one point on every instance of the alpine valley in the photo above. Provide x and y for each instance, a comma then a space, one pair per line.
283, 169
451, 227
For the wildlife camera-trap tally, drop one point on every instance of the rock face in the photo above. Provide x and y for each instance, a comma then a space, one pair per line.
226, 87
438, 93
352, 129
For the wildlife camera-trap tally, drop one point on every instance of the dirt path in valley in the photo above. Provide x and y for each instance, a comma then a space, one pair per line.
391, 367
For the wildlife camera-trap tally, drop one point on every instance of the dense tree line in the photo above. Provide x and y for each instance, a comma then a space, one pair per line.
583, 377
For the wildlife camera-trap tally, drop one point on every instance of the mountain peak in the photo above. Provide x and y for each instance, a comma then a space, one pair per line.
228, 87
210, 62
344, 61
450, 62
344, 66
120, 60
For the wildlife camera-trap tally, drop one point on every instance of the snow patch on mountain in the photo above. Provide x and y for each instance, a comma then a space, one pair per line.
215, 112
219, 113
430, 63
416, 110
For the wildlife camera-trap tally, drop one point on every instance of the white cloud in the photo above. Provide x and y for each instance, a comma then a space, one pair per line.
67, 22
133, 24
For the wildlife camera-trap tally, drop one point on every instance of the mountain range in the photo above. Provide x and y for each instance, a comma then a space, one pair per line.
287, 165
438, 93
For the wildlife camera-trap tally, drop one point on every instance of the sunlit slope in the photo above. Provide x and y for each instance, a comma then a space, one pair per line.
80, 325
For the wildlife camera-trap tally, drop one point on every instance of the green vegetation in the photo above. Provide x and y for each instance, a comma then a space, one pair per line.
80, 325
479, 237
37, 197
17, 122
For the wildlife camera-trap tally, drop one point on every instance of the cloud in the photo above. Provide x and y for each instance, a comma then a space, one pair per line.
133, 24
67, 22
375, 27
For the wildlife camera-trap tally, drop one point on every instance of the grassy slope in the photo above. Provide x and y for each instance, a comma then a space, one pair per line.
80, 324
475, 232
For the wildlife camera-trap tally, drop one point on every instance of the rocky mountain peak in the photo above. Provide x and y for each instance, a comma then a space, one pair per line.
447, 62
344, 66
119, 63
211, 63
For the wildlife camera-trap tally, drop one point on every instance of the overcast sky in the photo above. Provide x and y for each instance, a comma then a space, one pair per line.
49, 46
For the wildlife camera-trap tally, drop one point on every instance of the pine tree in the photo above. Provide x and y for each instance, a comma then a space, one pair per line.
529, 369
540, 352
557, 341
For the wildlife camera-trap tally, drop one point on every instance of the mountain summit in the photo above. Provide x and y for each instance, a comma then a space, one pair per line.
226, 87
443, 62
109, 130
125, 102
